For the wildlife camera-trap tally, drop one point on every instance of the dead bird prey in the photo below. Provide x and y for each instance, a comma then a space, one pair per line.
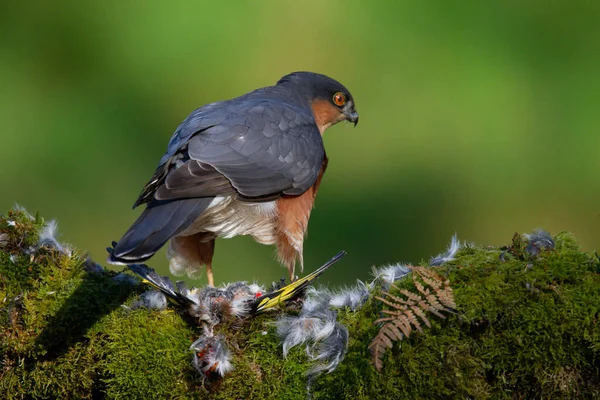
211, 305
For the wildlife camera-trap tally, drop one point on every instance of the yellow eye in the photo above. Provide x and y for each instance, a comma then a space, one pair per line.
339, 99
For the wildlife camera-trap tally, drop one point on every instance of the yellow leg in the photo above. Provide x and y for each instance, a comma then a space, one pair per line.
291, 270
209, 274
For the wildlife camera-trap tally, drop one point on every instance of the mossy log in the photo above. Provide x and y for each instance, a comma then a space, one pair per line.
526, 326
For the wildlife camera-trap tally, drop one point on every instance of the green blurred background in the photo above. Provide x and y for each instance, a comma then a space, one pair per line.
478, 118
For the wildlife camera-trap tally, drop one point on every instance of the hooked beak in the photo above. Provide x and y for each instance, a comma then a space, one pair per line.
352, 116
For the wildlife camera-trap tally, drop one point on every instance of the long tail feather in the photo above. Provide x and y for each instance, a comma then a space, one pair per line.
181, 296
161, 283
154, 228
292, 290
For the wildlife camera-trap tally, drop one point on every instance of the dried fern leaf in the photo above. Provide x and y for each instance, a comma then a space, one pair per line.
421, 288
411, 317
386, 341
392, 312
434, 295
396, 298
403, 324
398, 306
433, 301
419, 311
384, 319
430, 278
377, 351
391, 331
413, 297
446, 297
381, 342
435, 311
429, 272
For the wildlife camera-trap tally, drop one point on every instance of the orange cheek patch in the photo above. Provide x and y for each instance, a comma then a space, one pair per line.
326, 114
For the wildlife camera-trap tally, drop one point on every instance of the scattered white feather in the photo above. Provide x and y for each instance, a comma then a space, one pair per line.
22, 209
208, 304
182, 288
153, 300
389, 274
240, 307
304, 329
353, 297
11, 223
211, 355
179, 266
48, 236
329, 352
315, 301
447, 256
13, 258
221, 358
255, 288
537, 241
323, 329
316, 327
212, 303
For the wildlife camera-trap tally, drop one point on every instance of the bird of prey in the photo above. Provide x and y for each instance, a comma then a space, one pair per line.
251, 165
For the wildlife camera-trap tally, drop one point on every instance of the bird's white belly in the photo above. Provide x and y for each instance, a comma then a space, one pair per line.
226, 217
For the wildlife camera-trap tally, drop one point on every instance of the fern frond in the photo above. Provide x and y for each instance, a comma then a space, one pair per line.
429, 277
392, 312
434, 306
377, 349
386, 337
403, 324
419, 311
391, 299
446, 297
413, 297
410, 316
393, 333
433, 295
384, 319
420, 287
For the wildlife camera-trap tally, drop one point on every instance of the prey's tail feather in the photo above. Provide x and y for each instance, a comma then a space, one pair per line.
154, 228
294, 289
177, 295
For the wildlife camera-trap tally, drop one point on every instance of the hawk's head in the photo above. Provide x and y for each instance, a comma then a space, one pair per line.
330, 101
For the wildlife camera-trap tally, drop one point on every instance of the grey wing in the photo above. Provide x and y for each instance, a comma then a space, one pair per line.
198, 121
259, 151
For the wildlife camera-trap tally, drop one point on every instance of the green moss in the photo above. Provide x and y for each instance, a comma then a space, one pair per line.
526, 327
260, 369
146, 358
18, 231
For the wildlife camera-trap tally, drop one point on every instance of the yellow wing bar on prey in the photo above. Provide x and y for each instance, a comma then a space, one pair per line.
292, 290
180, 295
